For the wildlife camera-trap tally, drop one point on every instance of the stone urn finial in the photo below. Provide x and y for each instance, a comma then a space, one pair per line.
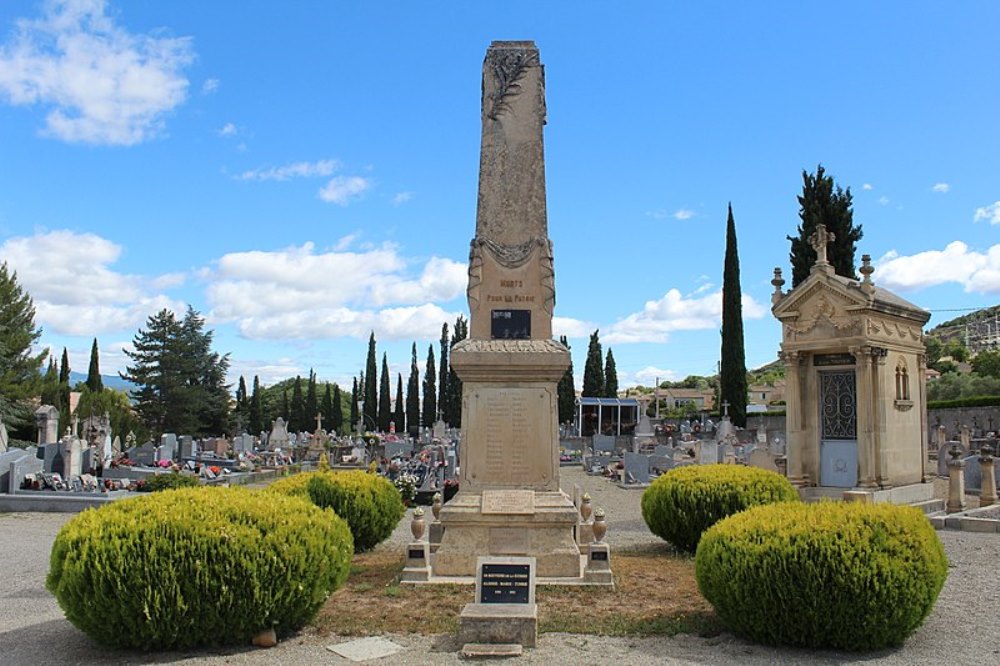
955, 451
436, 506
986, 452
600, 526
417, 526
585, 507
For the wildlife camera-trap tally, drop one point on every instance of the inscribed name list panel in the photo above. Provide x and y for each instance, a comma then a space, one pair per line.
507, 429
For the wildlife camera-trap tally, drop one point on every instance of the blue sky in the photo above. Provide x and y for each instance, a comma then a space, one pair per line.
305, 172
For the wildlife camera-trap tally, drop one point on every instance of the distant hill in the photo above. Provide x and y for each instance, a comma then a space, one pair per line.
110, 381
954, 329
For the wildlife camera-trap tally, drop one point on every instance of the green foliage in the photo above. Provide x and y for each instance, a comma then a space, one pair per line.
956, 386
197, 566
182, 382
680, 505
452, 409
20, 380
839, 575
610, 376
370, 386
566, 390
429, 411
733, 367
384, 399
593, 369
979, 401
987, 364
94, 381
413, 392
169, 481
822, 203
399, 414
442, 385
369, 503
117, 406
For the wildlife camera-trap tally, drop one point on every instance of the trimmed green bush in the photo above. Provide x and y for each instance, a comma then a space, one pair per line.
840, 575
169, 481
680, 505
369, 503
197, 566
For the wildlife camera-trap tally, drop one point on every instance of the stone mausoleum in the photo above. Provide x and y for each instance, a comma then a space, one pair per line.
855, 398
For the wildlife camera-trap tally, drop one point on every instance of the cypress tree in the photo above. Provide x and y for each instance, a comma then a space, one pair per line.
442, 388
413, 394
566, 391
430, 389
355, 416
823, 203
733, 370
94, 382
64, 371
255, 417
312, 402
453, 405
610, 376
384, 398
284, 407
326, 408
371, 386
50, 384
593, 369
297, 417
337, 415
242, 410
399, 416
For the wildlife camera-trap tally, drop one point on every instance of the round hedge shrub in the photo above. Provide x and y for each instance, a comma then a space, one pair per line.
169, 481
680, 505
837, 575
369, 503
197, 566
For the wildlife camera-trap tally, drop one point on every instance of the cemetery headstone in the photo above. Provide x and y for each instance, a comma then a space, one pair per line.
636, 468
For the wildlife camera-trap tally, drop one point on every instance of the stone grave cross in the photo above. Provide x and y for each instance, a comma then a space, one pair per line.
818, 240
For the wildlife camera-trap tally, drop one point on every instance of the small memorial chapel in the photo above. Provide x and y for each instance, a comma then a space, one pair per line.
854, 357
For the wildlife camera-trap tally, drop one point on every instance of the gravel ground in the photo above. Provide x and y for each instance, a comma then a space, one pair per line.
961, 630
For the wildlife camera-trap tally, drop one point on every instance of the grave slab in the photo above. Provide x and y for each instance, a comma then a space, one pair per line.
364, 649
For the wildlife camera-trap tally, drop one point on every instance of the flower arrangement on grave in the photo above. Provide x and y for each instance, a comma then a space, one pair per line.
406, 484
450, 488
842, 575
199, 566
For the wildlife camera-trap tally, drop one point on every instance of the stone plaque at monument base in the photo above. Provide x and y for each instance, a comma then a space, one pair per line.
509, 501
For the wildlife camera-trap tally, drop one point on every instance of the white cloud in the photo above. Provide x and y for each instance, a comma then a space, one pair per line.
649, 375
572, 328
941, 187
74, 290
293, 170
683, 214
402, 198
299, 293
102, 84
867, 187
269, 372
229, 129
675, 312
975, 271
883, 200
209, 86
990, 213
342, 189
679, 214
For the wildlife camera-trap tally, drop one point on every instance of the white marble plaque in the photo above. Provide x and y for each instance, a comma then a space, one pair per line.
520, 502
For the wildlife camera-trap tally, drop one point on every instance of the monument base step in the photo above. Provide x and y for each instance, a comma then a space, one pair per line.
914, 493
491, 650
499, 624
583, 580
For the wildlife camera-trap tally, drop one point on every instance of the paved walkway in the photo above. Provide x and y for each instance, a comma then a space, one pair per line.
961, 630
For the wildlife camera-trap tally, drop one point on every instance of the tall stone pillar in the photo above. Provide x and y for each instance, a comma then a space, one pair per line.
794, 441
867, 463
509, 502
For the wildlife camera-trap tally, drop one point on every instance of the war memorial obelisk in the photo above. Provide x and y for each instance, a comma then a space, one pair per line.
510, 503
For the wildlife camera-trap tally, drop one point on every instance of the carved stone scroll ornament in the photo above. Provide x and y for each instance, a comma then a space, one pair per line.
548, 277
475, 273
512, 256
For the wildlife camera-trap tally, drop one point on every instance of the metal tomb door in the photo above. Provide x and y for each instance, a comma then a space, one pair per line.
838, 429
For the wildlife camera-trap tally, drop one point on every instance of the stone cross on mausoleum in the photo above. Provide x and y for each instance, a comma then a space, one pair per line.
818, 240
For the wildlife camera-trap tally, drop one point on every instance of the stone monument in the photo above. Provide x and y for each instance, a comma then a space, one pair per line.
856, 405
510, 503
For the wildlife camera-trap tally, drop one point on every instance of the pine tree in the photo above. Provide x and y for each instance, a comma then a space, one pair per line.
337, 417
355, 416
442, 388
733, 370
822, 203
430, 389
452, 408
371, 386
297, 419
205, 375
610, 376
384, 397
94, 382
399, 415
256, 416
566, 391
20, 380
593, 369
413, 394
